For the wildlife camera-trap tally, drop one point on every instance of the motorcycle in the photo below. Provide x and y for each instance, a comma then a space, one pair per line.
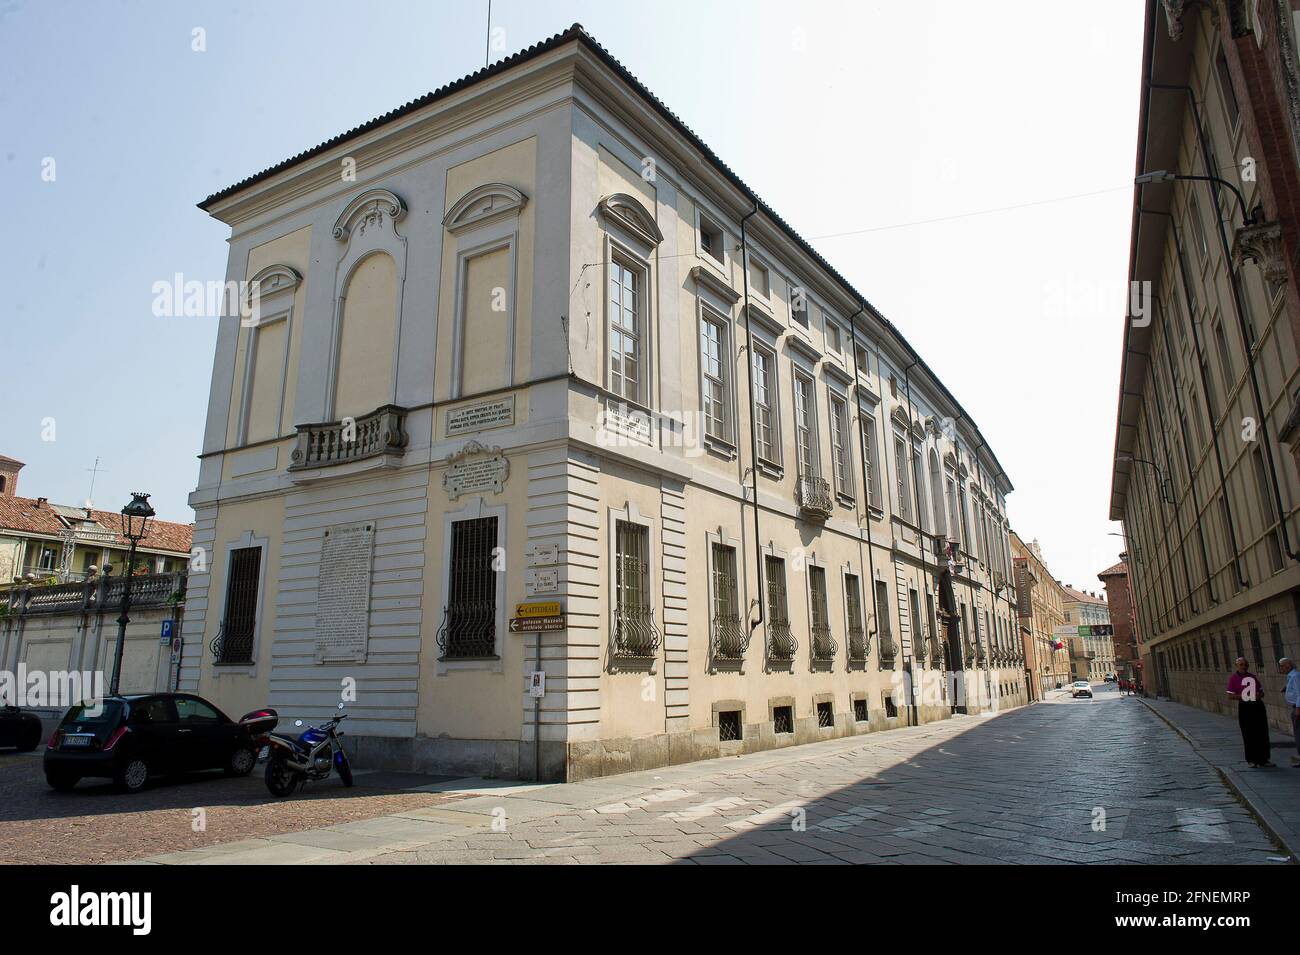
292, 761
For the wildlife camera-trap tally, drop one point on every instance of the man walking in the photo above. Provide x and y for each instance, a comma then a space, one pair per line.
1293, 702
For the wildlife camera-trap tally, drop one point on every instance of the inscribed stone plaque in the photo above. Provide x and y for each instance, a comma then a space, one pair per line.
481, 417
475, 475
343, 592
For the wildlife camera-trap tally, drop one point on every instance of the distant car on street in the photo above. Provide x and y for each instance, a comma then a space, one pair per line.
130, 738
1081, 688
19, 729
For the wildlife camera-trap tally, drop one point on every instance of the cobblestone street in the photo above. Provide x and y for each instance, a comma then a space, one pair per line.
1101, 781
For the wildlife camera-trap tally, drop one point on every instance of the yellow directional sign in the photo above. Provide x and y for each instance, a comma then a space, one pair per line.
537, 608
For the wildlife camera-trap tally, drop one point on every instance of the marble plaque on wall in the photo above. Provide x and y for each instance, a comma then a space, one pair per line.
343, 593
497, 413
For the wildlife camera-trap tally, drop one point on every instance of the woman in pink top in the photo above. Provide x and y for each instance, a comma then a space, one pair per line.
1243, 686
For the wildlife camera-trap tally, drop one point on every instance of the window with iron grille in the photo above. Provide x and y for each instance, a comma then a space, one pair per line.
860, 711
729, 639
823, 647
715, 374
783, 719
729, 726
805, 418
766, 411
825, 714
469, 629
871, 455
625, 330
891, 708
239, 625
914, 605
781, 642
883, 623
634, 633
853, 609
841, 461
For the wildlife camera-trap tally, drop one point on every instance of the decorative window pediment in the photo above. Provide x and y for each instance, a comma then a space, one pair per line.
629, 213
272, 280
484, 203
368, 210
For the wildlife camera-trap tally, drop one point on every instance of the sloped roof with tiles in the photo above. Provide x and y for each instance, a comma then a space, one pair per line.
38, 516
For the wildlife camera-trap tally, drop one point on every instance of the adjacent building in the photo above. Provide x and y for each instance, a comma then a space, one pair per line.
1203, 477
1087, 620
1126, 639
552, 450
1041, 613
41, 542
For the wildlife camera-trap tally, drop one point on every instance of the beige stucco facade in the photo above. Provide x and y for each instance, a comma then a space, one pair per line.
525, 335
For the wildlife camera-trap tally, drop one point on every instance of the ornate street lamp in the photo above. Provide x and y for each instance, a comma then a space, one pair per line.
135, 524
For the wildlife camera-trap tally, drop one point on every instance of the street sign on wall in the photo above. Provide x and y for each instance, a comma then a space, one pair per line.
537, 624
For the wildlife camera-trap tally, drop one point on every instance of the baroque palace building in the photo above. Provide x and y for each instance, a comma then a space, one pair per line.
535, 384
1204, 480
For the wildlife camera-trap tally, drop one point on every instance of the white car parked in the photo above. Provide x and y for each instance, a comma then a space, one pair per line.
1081, 688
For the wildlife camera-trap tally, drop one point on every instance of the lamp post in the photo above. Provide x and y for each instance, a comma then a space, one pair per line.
135, 523
1165, 175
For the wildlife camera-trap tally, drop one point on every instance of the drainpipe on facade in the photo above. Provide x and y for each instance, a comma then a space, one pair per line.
1234, 283
753, 424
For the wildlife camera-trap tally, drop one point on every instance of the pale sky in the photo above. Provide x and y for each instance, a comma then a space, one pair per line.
967, 166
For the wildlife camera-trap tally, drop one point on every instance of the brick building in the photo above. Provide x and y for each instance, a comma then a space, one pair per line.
1126, 637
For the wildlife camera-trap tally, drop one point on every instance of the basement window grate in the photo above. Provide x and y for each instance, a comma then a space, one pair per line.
825, 715
729, 725
891, 708
860, 711
783, 719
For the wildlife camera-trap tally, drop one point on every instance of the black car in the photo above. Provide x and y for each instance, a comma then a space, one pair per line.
19, 729
130, 738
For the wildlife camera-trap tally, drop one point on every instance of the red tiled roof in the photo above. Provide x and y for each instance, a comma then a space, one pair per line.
27, 514
1081, 596
1118, 570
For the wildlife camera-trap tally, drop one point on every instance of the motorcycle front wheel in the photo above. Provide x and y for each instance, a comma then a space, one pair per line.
281, 780
343, 766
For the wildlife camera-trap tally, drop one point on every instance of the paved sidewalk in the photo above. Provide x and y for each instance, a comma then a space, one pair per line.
1273, 795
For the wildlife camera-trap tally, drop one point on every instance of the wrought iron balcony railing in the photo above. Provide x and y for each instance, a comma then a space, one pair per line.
859, 646
781, 644
888, 648
730, 640
469, 630
824, 646
936, 653
813, 495
634, 635
383, 431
